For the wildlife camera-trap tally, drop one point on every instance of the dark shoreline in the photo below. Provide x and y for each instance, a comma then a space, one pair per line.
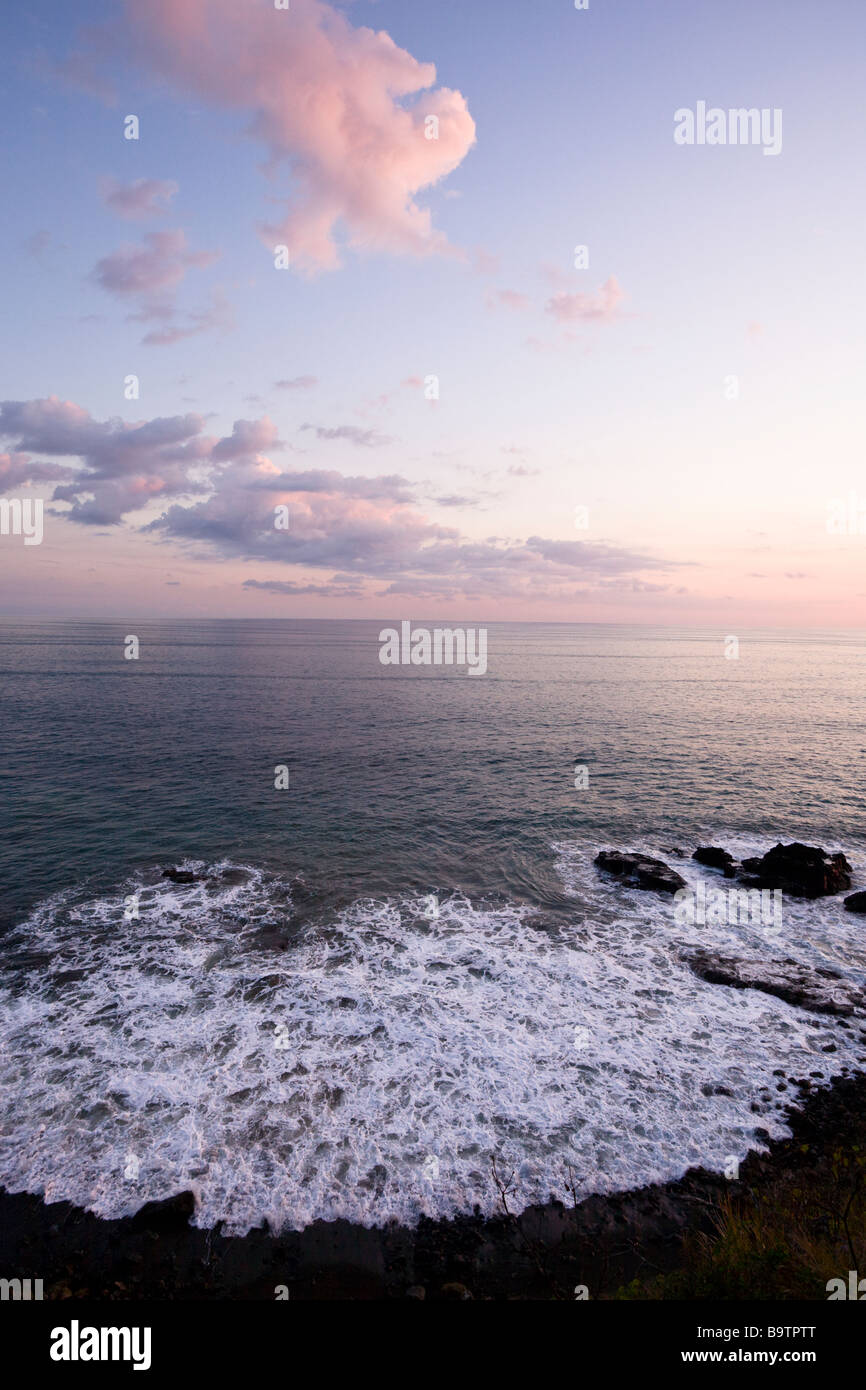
602, 1243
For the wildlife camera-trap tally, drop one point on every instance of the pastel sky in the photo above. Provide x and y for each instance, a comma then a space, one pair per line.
462, 422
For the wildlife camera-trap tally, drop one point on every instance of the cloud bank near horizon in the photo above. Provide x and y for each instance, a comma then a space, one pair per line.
221, 497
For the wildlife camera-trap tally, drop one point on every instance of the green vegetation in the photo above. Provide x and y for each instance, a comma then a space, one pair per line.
783, 1239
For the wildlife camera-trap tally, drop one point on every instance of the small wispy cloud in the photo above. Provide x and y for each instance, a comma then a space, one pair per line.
296, 383
218, 315
363, 439
158, 264
139, 200
601, 307
288, 586
507, 299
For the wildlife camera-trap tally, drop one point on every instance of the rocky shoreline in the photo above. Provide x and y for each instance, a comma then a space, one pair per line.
803, 871
602, 1243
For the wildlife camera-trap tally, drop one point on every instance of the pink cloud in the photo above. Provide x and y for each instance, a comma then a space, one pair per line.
601, 307
141, 199
220, 497
123, 465
219, 315
366, 439
159, 264
248, 439
344, 107
296, 383
19, 470
508, 299
384, 399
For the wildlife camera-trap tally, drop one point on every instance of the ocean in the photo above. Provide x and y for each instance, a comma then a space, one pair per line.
404, 965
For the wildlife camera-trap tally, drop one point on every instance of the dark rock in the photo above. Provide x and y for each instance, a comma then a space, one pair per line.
804, 871
455, 1291
171, 1214
639, 871
180, 875
856, 902
821, 991
713, 857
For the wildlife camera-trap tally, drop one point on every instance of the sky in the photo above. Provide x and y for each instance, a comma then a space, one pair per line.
320, 340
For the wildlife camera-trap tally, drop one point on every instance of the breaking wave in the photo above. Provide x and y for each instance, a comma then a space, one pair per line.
372, 1064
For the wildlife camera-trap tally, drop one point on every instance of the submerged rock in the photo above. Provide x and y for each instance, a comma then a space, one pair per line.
821, 991
234, 877
170, 1214
221, 953
856, 902
804, 871
181, 875
715, 858
640, 871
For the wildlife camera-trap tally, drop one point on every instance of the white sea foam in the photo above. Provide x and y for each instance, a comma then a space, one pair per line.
374, 1067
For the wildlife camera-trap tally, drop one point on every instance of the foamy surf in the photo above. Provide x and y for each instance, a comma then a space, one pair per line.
372, 1066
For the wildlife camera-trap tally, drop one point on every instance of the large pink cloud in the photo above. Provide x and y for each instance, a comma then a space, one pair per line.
343, 106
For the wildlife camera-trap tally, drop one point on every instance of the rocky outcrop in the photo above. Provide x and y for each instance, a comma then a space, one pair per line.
715, 858
171, 1214
856, 902
804, 871
640, 871
821, 991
